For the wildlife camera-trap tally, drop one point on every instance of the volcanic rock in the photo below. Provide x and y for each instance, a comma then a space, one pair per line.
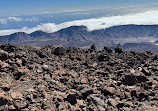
118, 50
75, 79
71, 98
93, 47
59, 51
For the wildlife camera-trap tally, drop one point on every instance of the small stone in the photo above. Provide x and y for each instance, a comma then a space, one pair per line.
20, 104
45, 67
5, 87
146, 72
81, 103
86, 91
34, 108
20, 72
112, 102
3, 64
155, 58
109, 91
97, 100
142, 96
17, 95
122, 104
83, 79
19, 62
30, 90
134, 93
12, 108
64, 106
100, 108
132, 71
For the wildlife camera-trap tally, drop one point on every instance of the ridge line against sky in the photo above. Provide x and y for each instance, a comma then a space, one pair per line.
22, 7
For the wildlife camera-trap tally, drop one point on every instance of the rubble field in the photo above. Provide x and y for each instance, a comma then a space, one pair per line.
75, 79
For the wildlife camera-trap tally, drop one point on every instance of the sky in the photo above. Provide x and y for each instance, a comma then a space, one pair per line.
22, 7
53, 15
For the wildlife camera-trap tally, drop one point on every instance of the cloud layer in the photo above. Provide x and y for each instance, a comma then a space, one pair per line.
145, 18
16, 19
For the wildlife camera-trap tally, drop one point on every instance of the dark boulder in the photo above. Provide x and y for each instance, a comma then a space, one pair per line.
71, 98
59, 51
108, 50
4, 55
118, 50
103, 58
141, 79
130, 80
93, 47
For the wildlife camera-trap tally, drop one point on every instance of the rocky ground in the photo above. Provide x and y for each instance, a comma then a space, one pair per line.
73, 79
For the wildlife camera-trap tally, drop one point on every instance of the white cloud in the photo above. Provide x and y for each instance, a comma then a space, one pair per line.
146, 18
33, 19
3, 21
16, 19
6, 20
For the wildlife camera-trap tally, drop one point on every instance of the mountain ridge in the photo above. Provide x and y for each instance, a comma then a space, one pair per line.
80, 36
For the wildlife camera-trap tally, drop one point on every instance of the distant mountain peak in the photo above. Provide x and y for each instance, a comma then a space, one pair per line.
38, 33
73, 28
18, 34
77, 27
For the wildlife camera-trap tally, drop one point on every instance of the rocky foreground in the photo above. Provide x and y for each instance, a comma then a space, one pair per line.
73, 79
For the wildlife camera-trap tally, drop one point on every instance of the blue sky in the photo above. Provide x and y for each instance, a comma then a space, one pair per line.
8, 7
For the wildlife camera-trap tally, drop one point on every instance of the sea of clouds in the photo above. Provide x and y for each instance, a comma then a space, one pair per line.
145, 18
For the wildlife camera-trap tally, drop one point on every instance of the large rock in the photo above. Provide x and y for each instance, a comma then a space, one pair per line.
59, 51
71, 98
141, 79
107, 49
4, 55
109, 91
93, 47
102, 58
4, 99
130, 80
118, 50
